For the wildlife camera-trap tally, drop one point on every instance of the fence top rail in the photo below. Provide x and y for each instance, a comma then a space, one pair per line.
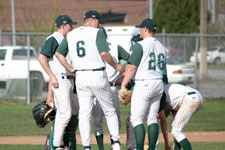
159, 34
191, 35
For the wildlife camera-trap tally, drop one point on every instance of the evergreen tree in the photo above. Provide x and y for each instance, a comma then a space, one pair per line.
177, 16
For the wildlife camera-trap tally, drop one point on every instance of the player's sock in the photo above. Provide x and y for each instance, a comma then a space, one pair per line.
113, 142
87, 147
185, 144
153, 132
69, 137
177, 145
99, 139
139, 132
72, 141
51, 136
66, 139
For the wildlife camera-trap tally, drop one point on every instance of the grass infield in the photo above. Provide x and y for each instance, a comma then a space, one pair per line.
16, 118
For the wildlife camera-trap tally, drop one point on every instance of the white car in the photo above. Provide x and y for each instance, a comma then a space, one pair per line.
214, 55
179, 72
14, 64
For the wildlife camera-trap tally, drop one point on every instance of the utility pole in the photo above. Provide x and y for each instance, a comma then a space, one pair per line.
13, 24
203, 40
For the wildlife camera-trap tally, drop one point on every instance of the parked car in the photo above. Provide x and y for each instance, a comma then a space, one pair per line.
14, 64
214, 55
179, 72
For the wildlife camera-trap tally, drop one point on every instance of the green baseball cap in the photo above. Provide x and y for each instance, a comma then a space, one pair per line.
148, 23
93, 14
64, 19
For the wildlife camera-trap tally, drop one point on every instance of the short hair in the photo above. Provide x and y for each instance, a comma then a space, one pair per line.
151, 30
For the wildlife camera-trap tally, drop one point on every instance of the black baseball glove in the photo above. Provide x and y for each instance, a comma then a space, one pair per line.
43, 114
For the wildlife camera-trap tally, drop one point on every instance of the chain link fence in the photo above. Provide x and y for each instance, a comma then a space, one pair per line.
183, 48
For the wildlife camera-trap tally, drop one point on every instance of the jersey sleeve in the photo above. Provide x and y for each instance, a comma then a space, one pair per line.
101, 43
136, 55
63, 47
162, 102
49, 47
122, 53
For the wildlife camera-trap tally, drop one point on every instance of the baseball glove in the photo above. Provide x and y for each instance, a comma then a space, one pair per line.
125, 96
146, 147
43, 114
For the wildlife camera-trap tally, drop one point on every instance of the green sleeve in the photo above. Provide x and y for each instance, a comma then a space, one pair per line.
122, 53
63, 47
101, 43
165, 78
162, 102
136, 55
49, 47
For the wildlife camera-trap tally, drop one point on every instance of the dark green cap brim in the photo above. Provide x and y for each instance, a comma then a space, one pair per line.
138, 26
73, 23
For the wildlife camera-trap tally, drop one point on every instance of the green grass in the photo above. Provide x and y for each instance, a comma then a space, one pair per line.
216, 67
195, 146
16, 118
209, 118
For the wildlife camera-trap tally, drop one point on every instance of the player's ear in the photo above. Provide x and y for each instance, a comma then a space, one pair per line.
146, 29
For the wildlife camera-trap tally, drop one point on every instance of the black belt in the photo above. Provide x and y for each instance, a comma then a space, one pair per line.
99, 69
190, 93
67, 77
113, 84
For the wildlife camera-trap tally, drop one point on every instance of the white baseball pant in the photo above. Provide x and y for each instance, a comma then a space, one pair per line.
145, 101
190, 105
98, 113
92, 84
66, 107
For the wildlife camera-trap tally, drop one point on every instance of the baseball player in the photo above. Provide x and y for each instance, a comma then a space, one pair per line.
87, 47
185, 102
146, 65
130, 142
69, 138
114, 76
61, 82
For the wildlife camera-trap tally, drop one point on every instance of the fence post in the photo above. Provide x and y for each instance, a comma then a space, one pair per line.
185, 49
28, 68
0, 37
163, 36
196, 62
